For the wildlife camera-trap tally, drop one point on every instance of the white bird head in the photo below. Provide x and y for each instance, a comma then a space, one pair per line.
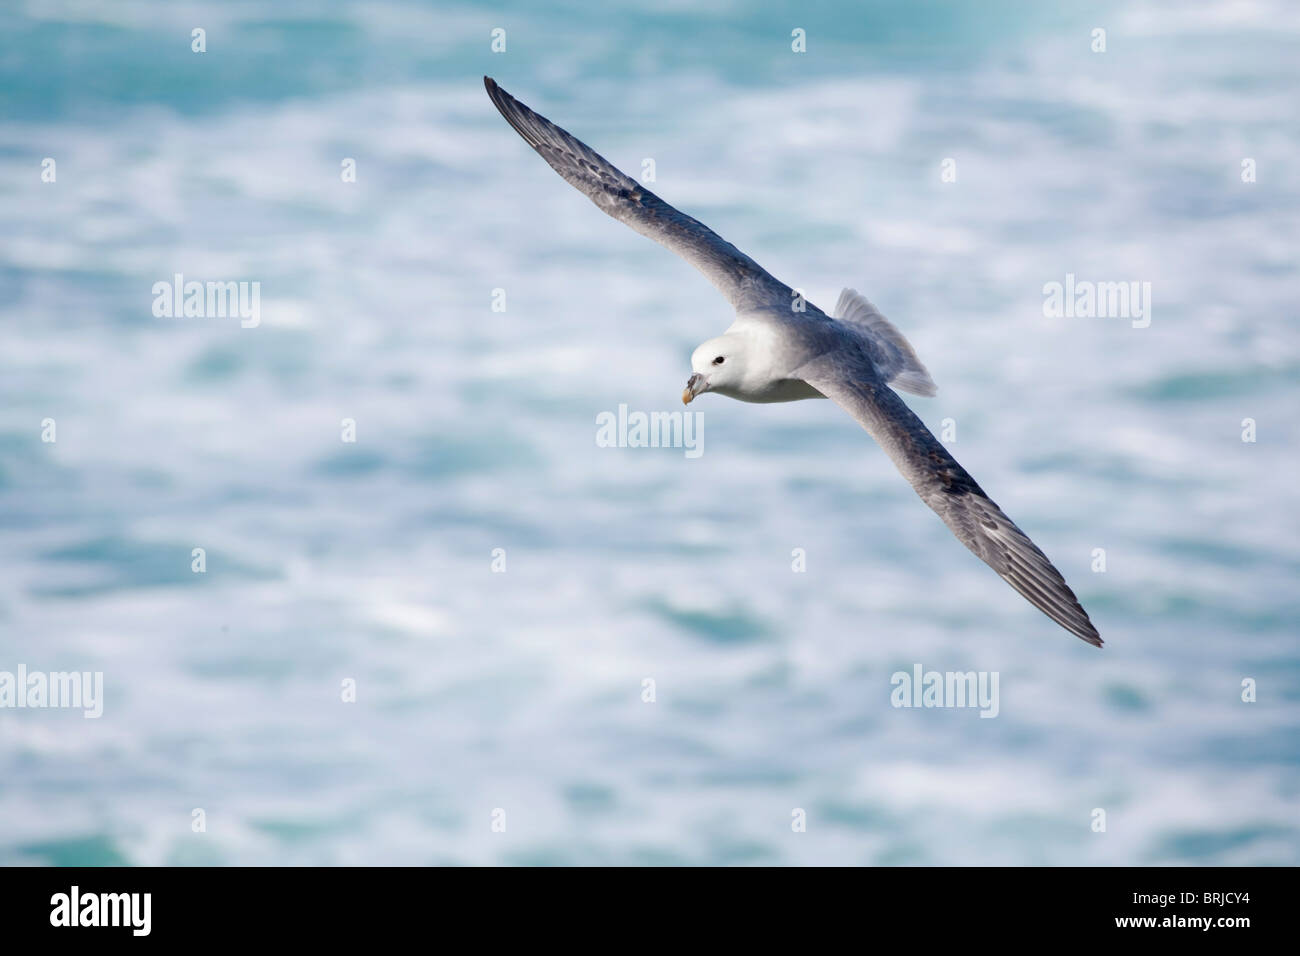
718, 366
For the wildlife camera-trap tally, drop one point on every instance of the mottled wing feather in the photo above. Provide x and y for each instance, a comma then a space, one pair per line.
850, 381
744, 283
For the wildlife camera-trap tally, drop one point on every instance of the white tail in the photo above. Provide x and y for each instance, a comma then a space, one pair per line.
901, 368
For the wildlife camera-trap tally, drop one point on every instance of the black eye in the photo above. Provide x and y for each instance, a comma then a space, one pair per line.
718, 360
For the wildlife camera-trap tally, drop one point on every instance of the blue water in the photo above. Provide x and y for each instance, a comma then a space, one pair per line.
371, 561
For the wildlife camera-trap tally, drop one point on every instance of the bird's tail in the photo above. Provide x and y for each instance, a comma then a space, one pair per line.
901, 368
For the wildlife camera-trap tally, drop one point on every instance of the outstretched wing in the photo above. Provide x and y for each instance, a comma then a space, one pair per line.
848, 379
738, 277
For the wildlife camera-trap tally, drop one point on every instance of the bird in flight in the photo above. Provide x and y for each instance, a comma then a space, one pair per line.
783, 349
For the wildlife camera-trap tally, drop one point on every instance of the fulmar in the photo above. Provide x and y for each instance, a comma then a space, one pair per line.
782, 349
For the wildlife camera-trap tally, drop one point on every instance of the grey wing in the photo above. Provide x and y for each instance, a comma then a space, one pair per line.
743, 281
850, 381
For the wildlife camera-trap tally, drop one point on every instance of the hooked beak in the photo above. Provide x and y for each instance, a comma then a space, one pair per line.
694, 385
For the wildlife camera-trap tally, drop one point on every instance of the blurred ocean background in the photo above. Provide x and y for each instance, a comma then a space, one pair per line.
372, 561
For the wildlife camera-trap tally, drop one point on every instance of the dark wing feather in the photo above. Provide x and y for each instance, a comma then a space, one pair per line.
738, 277
850, 381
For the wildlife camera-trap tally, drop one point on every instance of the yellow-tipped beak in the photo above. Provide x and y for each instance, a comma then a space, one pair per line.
696, 384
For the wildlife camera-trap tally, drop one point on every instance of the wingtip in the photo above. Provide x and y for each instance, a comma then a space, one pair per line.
500, 98
1086, 632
